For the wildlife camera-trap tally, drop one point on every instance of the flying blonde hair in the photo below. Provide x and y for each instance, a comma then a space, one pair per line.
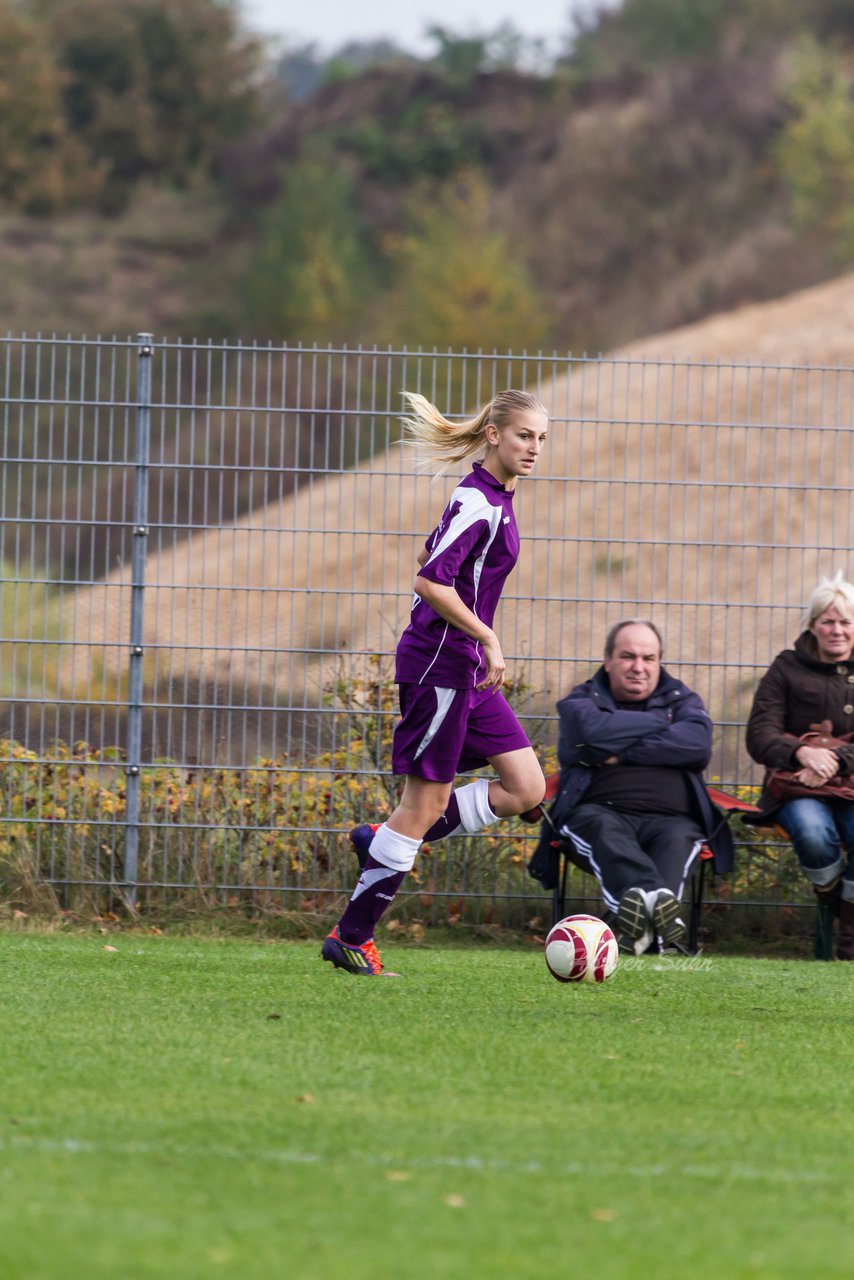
830, 592
449, 442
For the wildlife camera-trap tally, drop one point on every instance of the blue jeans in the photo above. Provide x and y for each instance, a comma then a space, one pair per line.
822, 835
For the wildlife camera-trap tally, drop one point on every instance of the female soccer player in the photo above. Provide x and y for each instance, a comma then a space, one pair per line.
450, 668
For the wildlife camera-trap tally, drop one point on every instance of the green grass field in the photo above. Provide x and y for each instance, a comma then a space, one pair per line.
190, 1108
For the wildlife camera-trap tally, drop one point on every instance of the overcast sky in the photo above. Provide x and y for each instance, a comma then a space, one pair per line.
332, 23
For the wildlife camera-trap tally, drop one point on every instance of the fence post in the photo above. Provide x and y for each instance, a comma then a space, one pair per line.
139, 542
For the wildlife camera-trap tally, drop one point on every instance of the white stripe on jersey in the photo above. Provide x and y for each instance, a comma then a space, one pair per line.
444, 699
474, 506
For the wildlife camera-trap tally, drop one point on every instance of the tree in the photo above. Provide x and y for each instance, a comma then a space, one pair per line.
153, 87
458, 282
299, 70
815, 149
358, 56
648, 34
311, 277
461, 58
40, 165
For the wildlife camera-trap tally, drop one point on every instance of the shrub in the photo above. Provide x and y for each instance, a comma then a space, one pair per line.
460, 283
216, 832
815, 149
311, 275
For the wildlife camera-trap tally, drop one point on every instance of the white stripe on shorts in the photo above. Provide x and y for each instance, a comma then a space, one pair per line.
444, 700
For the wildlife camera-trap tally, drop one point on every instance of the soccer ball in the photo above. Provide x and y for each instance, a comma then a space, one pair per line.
581, 949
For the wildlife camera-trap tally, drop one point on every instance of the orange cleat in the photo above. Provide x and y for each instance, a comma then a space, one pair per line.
362, 958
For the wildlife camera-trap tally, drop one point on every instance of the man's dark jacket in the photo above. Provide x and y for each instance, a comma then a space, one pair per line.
672, 730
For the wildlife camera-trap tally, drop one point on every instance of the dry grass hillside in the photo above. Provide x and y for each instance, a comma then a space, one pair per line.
702, 475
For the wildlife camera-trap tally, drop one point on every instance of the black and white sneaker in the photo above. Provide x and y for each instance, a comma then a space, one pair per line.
633, 922
666, 919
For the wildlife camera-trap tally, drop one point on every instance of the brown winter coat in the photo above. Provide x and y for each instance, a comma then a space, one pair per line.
797, 692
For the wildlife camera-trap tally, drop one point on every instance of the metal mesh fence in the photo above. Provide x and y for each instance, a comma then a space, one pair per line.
207, 557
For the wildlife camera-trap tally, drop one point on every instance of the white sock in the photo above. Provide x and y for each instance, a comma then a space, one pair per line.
475, 810
393, 849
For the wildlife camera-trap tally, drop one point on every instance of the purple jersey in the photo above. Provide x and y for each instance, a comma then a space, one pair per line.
472, 549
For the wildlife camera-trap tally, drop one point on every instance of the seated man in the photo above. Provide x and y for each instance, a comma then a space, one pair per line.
633, 742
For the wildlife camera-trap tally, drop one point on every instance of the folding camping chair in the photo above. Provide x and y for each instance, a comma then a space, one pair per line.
567, 854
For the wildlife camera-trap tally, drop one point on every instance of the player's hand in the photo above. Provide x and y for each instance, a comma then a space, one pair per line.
496, 668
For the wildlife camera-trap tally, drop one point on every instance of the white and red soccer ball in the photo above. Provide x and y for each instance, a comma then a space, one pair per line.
581, 949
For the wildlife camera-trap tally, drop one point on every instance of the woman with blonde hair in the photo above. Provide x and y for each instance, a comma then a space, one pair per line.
803, 706
449, 666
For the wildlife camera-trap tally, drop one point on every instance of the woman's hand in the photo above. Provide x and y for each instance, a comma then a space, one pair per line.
810, 778
496, 668
820, 761
449, 606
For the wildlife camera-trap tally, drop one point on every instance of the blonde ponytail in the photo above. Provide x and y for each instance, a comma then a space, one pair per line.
450, 442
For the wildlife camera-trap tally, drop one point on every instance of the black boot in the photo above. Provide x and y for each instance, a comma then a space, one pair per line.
827, 898
845, 938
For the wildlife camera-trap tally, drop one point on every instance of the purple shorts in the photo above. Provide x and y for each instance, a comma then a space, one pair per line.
443, 732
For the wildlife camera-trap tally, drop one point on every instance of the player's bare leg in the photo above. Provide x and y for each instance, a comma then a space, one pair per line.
520, 785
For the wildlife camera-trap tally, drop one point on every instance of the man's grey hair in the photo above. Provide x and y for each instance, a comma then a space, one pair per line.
611, 638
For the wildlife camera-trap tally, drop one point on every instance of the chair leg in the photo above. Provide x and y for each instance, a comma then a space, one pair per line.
697, 884
559, 891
